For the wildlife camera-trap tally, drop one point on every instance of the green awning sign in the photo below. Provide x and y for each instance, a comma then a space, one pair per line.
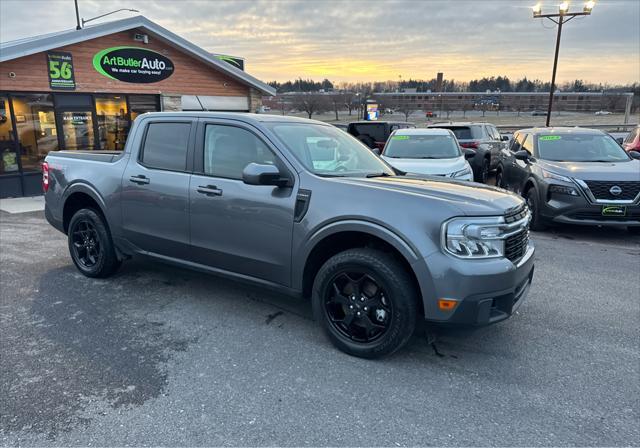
549, 137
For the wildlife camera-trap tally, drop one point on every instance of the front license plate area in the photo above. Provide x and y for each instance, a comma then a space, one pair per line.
614, 210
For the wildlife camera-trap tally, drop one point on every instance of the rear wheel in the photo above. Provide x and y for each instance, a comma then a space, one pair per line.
483, 174
533, 202
90, 244
365, 302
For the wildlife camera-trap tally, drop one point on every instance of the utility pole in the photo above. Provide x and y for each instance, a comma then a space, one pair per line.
561, 17
78, 27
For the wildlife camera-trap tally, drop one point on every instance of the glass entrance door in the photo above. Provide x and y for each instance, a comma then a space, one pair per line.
77, 129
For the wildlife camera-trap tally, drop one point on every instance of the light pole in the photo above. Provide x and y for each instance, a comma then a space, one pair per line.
81, 22
563, 16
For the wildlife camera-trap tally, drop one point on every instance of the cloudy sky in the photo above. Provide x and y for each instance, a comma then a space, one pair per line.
375, 39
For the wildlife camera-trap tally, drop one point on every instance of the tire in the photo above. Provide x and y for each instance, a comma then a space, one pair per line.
483, 174
500, 177
389, 320
533, 201
90, 244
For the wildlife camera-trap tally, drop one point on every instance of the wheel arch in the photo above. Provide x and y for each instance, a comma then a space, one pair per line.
342, 236
79, 196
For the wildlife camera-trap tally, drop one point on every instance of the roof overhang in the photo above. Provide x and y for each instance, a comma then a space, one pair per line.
25, 47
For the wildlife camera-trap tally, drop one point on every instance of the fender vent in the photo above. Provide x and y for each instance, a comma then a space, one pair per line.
302, 204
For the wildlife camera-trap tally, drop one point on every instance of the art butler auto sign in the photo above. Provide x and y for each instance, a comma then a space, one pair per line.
133, 64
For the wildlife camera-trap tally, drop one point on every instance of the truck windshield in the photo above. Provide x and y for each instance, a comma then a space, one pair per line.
580, 148
327, 151
422, 147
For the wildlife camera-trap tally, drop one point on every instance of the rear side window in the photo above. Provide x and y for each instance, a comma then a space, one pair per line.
376, 131
165, 146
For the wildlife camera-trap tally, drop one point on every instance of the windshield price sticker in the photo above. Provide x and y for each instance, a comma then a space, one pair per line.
549, 137
60, 67
400, 137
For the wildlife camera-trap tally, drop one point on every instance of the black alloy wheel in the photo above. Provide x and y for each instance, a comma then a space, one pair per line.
357, 306
86, 244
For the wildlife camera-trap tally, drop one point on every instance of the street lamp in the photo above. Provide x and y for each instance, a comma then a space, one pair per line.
563, 16
81, 25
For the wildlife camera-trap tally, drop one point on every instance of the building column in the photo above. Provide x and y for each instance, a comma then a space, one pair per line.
170, 102
255, 100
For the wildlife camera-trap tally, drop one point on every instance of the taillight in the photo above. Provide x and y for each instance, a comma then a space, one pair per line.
45, 177
472, 145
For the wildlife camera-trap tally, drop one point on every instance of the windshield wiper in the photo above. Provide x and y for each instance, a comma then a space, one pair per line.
378, 175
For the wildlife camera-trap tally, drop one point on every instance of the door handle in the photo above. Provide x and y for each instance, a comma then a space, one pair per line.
209, 190
140, 179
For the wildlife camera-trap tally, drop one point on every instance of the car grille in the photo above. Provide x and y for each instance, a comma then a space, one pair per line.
516, 245
516, 214
600, 190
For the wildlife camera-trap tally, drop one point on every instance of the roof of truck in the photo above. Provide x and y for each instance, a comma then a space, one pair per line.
240, 116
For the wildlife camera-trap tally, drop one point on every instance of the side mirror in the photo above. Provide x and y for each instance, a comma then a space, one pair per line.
522, 155
504, 138
634, 155
469, 153
376, 151
259, 174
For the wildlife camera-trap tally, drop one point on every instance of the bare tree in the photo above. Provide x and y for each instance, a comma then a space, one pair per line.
404, 107
349, 100
311, 103
338, 102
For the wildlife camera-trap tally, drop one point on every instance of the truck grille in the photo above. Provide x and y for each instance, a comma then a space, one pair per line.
601, 190
516, 214
516, 245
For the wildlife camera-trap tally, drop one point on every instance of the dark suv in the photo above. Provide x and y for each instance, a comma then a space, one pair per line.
573, 175
484, 139
374, 134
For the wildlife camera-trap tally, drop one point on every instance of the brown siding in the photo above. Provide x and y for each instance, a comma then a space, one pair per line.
190, 76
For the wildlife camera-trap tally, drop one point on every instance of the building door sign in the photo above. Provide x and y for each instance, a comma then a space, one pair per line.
60, 66
133, 65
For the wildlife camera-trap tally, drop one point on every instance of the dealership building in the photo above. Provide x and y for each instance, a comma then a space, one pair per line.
81, 89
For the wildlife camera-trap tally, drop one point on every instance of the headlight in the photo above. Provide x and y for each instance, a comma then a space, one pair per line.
549, 175
462, 173
479, 237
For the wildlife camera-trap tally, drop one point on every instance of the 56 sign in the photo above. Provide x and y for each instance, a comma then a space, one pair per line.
60, 65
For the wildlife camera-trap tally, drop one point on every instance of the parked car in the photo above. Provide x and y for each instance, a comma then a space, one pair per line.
573, 175
484, 139
632, 140
428, 151
300, 207
603, 112
538, 113
374, 134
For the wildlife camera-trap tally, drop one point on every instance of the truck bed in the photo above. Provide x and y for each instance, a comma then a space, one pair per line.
97, 156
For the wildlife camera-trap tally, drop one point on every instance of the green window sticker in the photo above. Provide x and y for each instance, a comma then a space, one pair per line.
549, 137
400, 137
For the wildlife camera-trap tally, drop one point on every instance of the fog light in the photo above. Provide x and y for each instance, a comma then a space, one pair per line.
447, 304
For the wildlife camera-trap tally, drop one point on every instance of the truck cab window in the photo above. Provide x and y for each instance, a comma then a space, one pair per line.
229, 149
165, 146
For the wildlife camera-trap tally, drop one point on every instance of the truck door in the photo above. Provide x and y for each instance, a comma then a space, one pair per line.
240, 228
155, 188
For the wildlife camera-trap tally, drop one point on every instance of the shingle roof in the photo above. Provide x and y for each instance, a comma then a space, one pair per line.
44, 42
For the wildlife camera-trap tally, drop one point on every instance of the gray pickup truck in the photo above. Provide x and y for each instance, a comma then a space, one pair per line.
302, 207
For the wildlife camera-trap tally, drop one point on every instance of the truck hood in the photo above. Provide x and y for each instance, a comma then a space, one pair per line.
612, 171
438, 167
469, 198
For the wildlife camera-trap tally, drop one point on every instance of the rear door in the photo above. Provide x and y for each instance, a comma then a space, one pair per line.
240, 228
155, 189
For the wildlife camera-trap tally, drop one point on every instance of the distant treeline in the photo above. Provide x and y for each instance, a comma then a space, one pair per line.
493, 84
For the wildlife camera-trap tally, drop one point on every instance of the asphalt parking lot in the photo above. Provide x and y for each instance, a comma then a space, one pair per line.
163, 356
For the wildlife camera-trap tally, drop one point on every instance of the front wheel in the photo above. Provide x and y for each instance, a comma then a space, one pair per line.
90, 244
500, 177
365, 302
533, 202
483, 175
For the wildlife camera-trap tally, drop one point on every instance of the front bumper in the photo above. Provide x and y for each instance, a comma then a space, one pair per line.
565, 209
487, 291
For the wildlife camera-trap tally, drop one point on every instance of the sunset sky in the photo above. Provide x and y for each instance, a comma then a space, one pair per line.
377, 40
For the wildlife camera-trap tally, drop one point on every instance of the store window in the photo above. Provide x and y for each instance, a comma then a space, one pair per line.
141, 104
36, 127
8, 156
113, 122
